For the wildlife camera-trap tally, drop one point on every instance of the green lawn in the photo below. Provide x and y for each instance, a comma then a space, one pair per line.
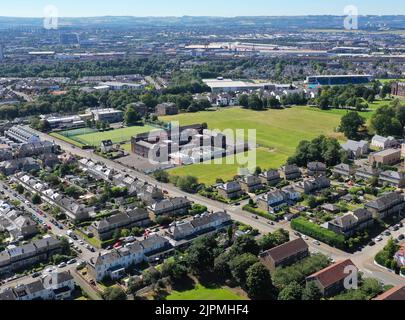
278, 134
202, 293
117, 136
209, 172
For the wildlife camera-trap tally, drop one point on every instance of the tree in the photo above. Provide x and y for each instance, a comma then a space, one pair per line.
350, 124
135, 284
292, 291
245, 244
321, 149
131, 117
244, 100
65, 246
385, 123
258, 282
221, 266
161, 176
151, 276
255, 103
311, 292
114, 293
188, 184
258, 171
239, 266
19, 188
36, 199
173, 269
200, 255
275, 239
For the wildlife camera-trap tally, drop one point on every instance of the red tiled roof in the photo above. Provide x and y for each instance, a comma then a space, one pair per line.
333, 273
286, 250
396, 293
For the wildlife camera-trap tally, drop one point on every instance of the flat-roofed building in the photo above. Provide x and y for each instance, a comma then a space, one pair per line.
220, 84
338, 80
109, 115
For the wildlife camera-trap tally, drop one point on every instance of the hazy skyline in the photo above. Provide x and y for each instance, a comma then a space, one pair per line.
226, 8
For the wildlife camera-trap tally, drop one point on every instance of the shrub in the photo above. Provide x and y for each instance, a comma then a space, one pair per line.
259, 212
319, 233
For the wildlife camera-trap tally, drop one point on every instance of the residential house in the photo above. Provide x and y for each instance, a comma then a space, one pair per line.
292, 194
352, 222
199, 225
156, 247
36, 148
394, 294
392, 178
388, 204
140, 108
272, 201
104, 229
113, 264
356, 149
309, 186
366, 172
106, 146
230, 190
25, 164
166, 109
270, 177
285, 254
383, 142
170, 207
316, 169
251, 183
330, 281
343, 170
385, 157
26, 255
330, 208
290, 172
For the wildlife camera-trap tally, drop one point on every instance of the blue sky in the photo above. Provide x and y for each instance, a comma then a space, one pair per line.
75, 8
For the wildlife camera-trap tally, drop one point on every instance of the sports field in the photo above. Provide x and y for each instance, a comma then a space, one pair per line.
202, 293
91, 137
278, 134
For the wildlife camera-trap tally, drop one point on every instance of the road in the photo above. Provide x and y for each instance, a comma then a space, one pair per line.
363, 259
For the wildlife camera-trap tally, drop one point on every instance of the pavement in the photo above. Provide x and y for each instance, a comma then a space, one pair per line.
363, 259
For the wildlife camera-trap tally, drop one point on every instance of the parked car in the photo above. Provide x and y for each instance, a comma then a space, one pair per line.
401, 237
36, 275
62, 265
316, 242
72, 261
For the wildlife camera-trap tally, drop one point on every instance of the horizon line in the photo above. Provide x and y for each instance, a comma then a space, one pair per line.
203, 16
